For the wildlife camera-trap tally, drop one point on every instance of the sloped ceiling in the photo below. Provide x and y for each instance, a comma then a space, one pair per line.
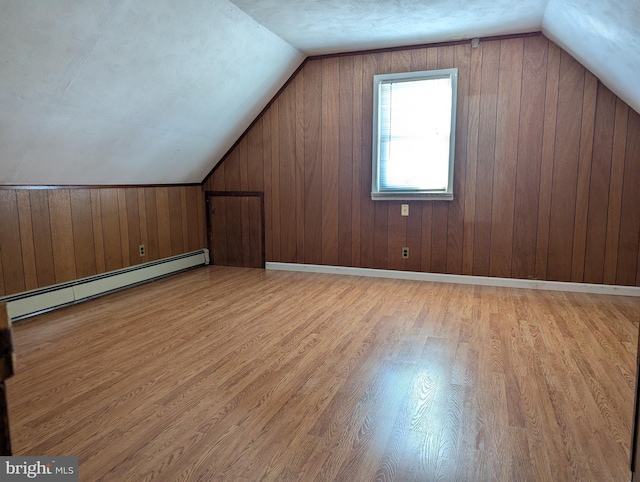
156, 91
129, 91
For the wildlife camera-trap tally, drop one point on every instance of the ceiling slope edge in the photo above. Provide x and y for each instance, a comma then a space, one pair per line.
603, 38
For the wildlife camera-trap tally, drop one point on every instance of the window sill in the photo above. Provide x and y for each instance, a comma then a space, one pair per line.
411, 196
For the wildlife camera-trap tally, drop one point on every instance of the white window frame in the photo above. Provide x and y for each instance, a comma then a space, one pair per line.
412, 194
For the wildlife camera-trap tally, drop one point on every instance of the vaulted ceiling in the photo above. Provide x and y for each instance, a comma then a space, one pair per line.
156, 91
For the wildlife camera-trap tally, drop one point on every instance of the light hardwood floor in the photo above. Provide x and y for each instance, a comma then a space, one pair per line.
243, 375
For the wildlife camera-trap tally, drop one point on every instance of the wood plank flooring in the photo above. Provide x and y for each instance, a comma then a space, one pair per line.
242, 375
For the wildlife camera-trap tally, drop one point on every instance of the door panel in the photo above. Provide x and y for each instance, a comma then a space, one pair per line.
236, 226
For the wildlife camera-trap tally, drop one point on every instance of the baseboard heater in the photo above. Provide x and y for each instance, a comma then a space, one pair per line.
30, 303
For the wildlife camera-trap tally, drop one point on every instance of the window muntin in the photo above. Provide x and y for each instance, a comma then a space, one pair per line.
414, 135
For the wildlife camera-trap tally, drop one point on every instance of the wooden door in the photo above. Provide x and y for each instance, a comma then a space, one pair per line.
236, 228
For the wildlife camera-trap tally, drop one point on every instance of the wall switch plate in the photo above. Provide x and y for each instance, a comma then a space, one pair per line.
404, 210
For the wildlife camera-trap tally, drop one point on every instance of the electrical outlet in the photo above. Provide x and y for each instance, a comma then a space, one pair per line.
404, 210
141, 248
405, 252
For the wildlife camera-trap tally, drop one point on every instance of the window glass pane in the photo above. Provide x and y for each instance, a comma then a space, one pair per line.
414, 134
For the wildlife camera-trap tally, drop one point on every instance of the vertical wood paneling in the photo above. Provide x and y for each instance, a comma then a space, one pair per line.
58, 235
414, 237
232, 172
506, 148
83, 238
475, 90
312, 163
432, 58
299, 172
142, 214
164, 222
599, 187
133, 226
584, 176
153, 250
439, 226
486, 156
396, 236
202, 229
419, 59
254, 154
425, 252
455, 228
124, 228
381, 235
287, 190
565, 166
217, 182
62, 235
626, 274
185, 218
276, 232
11, 252
546, 169
111, 229
267, 183
345, 160
525, 195
26, 240
41, 224
356, 165
243, 165
98, 240
175, 220
330, 156
367, 212
615, 192
527, 183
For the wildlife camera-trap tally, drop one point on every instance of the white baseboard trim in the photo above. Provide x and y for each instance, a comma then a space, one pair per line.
461, 279
30, 303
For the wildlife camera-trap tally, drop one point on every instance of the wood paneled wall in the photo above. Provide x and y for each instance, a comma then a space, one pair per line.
49, 236
547, 169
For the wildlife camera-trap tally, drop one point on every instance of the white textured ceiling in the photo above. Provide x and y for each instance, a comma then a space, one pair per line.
156, 91
325, 26
129, 91
604, 35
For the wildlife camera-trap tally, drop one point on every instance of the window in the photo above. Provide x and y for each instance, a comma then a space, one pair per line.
414, 118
